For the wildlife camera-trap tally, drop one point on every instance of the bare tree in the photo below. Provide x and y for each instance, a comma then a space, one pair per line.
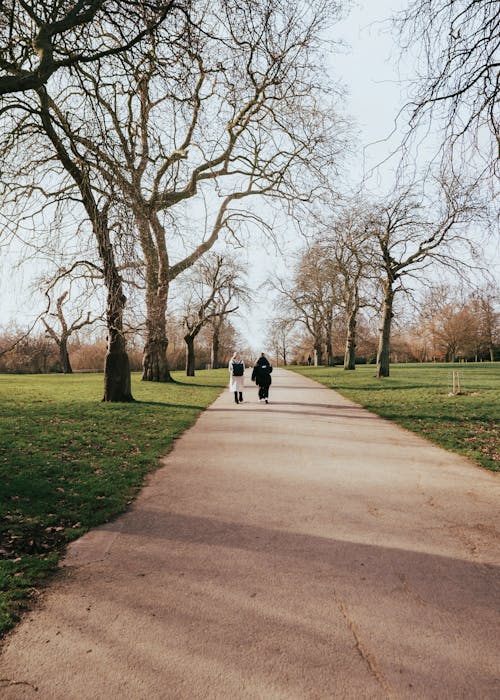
237, 85
38, 38
222, 341
311, 297
411, 233
61, 336
347, 252
117, 380
485, 306
216, 289
458, 44
460, 322
282, 334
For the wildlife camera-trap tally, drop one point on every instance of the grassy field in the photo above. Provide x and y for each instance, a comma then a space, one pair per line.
417, 396
69, 462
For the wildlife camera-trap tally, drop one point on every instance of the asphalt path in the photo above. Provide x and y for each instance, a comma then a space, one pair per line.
301, 549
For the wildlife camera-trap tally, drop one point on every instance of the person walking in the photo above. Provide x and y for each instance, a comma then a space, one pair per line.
261, 375
237, 377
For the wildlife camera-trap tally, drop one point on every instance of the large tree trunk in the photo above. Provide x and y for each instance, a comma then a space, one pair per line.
117, 379
190, 358
64, 357
329, 350
352, 320
215, 347
154, 362
117, 385
350, 343
384, 346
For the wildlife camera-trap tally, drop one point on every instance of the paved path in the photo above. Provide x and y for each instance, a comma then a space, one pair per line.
304, 549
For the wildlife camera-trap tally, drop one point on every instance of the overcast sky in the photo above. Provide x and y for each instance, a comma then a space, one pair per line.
371, 73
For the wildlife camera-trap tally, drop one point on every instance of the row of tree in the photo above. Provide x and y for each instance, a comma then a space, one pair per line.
143, 127
449, 326
38, 353
368, 255
135, 137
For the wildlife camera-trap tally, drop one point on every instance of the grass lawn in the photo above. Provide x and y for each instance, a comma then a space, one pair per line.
69, 462
417, 396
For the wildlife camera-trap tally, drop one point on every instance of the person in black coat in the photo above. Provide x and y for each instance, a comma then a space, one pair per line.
261, 375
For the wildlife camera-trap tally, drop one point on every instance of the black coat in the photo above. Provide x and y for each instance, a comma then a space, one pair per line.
261, 373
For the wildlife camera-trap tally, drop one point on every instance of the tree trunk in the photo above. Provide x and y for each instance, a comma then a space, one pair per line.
215, 347
329, 351
350, 343
117, 380
117, 385
352, 319
190, 358
64, 357
318, 353
384, 346
154, 362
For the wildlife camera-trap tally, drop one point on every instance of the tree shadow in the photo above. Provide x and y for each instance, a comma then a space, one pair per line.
310, 594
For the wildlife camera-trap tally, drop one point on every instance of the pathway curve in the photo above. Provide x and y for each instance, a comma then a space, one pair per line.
304, 549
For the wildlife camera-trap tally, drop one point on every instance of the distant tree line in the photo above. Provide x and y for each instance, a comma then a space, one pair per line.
38, 352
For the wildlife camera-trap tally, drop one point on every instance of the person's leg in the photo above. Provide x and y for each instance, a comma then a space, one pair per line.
236, 397
241, 397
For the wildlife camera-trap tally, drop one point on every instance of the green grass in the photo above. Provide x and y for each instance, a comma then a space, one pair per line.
69, 462
416, 396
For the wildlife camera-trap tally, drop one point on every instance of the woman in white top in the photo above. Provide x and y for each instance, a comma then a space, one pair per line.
236, 377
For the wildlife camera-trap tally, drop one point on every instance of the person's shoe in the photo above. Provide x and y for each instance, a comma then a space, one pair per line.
241, 397
266, 400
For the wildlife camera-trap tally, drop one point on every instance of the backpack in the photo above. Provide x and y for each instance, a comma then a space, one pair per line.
238, 369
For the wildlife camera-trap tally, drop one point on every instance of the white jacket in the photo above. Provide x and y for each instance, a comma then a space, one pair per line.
236, 383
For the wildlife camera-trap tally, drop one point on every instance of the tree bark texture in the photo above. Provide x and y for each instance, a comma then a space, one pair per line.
154, 362
384, 347
64, 358
117, 379
350, 343
190, 357
352, 320
215, 348
329, 351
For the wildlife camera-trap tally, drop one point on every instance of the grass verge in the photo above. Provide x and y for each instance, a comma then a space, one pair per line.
417, 397
69, 462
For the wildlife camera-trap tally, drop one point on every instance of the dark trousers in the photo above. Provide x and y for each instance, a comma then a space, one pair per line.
264, 392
